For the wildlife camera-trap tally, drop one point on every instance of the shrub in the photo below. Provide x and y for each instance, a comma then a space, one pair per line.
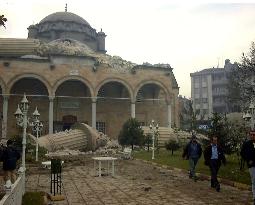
172, 145
31, 198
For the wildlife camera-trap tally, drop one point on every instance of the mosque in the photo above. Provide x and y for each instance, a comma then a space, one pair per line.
64, 70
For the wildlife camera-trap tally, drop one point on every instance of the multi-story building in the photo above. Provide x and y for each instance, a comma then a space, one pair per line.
185, 112
209, 91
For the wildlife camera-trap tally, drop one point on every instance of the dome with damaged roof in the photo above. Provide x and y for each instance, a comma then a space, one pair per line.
64, 16
63, 25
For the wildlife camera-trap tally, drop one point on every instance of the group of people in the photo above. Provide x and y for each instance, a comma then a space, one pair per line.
9, 156
214, 157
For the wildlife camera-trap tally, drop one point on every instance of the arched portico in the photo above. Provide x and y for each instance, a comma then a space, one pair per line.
154, 82
118, 80
73, 78
72, 103
11, 83
113, 106
37, 94
3, 108
153, 102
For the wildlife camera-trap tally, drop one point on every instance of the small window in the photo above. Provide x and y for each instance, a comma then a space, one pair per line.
204, 100
197, 101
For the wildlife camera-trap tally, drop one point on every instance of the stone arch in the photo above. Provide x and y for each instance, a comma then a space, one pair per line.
78, 78
121, 81
158, 83
29, 75
3, 86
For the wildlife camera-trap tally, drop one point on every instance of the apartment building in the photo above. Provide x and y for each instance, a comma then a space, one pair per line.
209, 91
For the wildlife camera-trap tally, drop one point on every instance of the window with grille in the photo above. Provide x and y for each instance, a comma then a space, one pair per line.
100, 126
139, 96
101, 94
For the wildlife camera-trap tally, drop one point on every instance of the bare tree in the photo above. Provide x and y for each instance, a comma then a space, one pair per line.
243, 79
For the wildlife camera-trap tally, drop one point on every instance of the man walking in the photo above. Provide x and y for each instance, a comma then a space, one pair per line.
9, 157
192, 152
248, 154
214, 155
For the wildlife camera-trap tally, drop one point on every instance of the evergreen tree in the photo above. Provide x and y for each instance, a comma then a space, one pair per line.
230, 135
131, 133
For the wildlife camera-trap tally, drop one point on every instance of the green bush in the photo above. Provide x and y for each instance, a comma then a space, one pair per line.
172, 145
148, 141
32, 198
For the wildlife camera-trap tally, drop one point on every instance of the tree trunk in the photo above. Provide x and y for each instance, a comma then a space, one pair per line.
172, 151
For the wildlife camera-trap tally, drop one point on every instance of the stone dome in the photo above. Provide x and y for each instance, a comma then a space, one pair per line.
64, 16
67, 25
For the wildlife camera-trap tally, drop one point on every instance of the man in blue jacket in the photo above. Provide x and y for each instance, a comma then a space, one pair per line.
9, 157
192, 152
248, 154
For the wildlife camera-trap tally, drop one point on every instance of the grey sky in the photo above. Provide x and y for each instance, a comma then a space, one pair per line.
188, 36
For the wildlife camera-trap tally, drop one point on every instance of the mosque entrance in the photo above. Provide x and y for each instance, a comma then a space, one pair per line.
68, 121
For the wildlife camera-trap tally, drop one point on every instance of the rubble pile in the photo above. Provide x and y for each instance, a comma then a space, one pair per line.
72, 47
111, 148
64, 47
65, 152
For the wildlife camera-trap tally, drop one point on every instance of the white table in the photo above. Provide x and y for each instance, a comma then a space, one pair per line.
100, 160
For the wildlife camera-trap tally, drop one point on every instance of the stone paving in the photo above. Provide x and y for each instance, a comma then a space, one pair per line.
135, 182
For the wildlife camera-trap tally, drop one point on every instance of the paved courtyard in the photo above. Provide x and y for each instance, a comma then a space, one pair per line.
135, 182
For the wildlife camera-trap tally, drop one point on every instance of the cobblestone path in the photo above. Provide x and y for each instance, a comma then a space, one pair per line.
136, 182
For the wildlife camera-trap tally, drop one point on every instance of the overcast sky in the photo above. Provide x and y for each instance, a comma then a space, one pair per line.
188, 36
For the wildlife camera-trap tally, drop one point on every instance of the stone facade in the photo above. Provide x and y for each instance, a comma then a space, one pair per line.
71, 82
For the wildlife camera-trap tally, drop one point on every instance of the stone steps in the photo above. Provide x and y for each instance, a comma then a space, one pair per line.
165, 134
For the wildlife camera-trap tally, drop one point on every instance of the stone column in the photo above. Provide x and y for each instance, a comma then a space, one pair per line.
94, 112
169, 115
51, 110
133, 109
5, 116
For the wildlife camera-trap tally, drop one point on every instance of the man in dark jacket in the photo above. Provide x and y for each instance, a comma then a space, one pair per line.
248, 154
192, 152
9, 157
214, 156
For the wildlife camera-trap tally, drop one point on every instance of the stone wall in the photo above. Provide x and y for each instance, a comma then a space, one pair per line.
93, 77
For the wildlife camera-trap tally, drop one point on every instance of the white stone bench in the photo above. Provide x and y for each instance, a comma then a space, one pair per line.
127, 153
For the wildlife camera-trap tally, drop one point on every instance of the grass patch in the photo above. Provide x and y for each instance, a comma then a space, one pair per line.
32, 198
231, 171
